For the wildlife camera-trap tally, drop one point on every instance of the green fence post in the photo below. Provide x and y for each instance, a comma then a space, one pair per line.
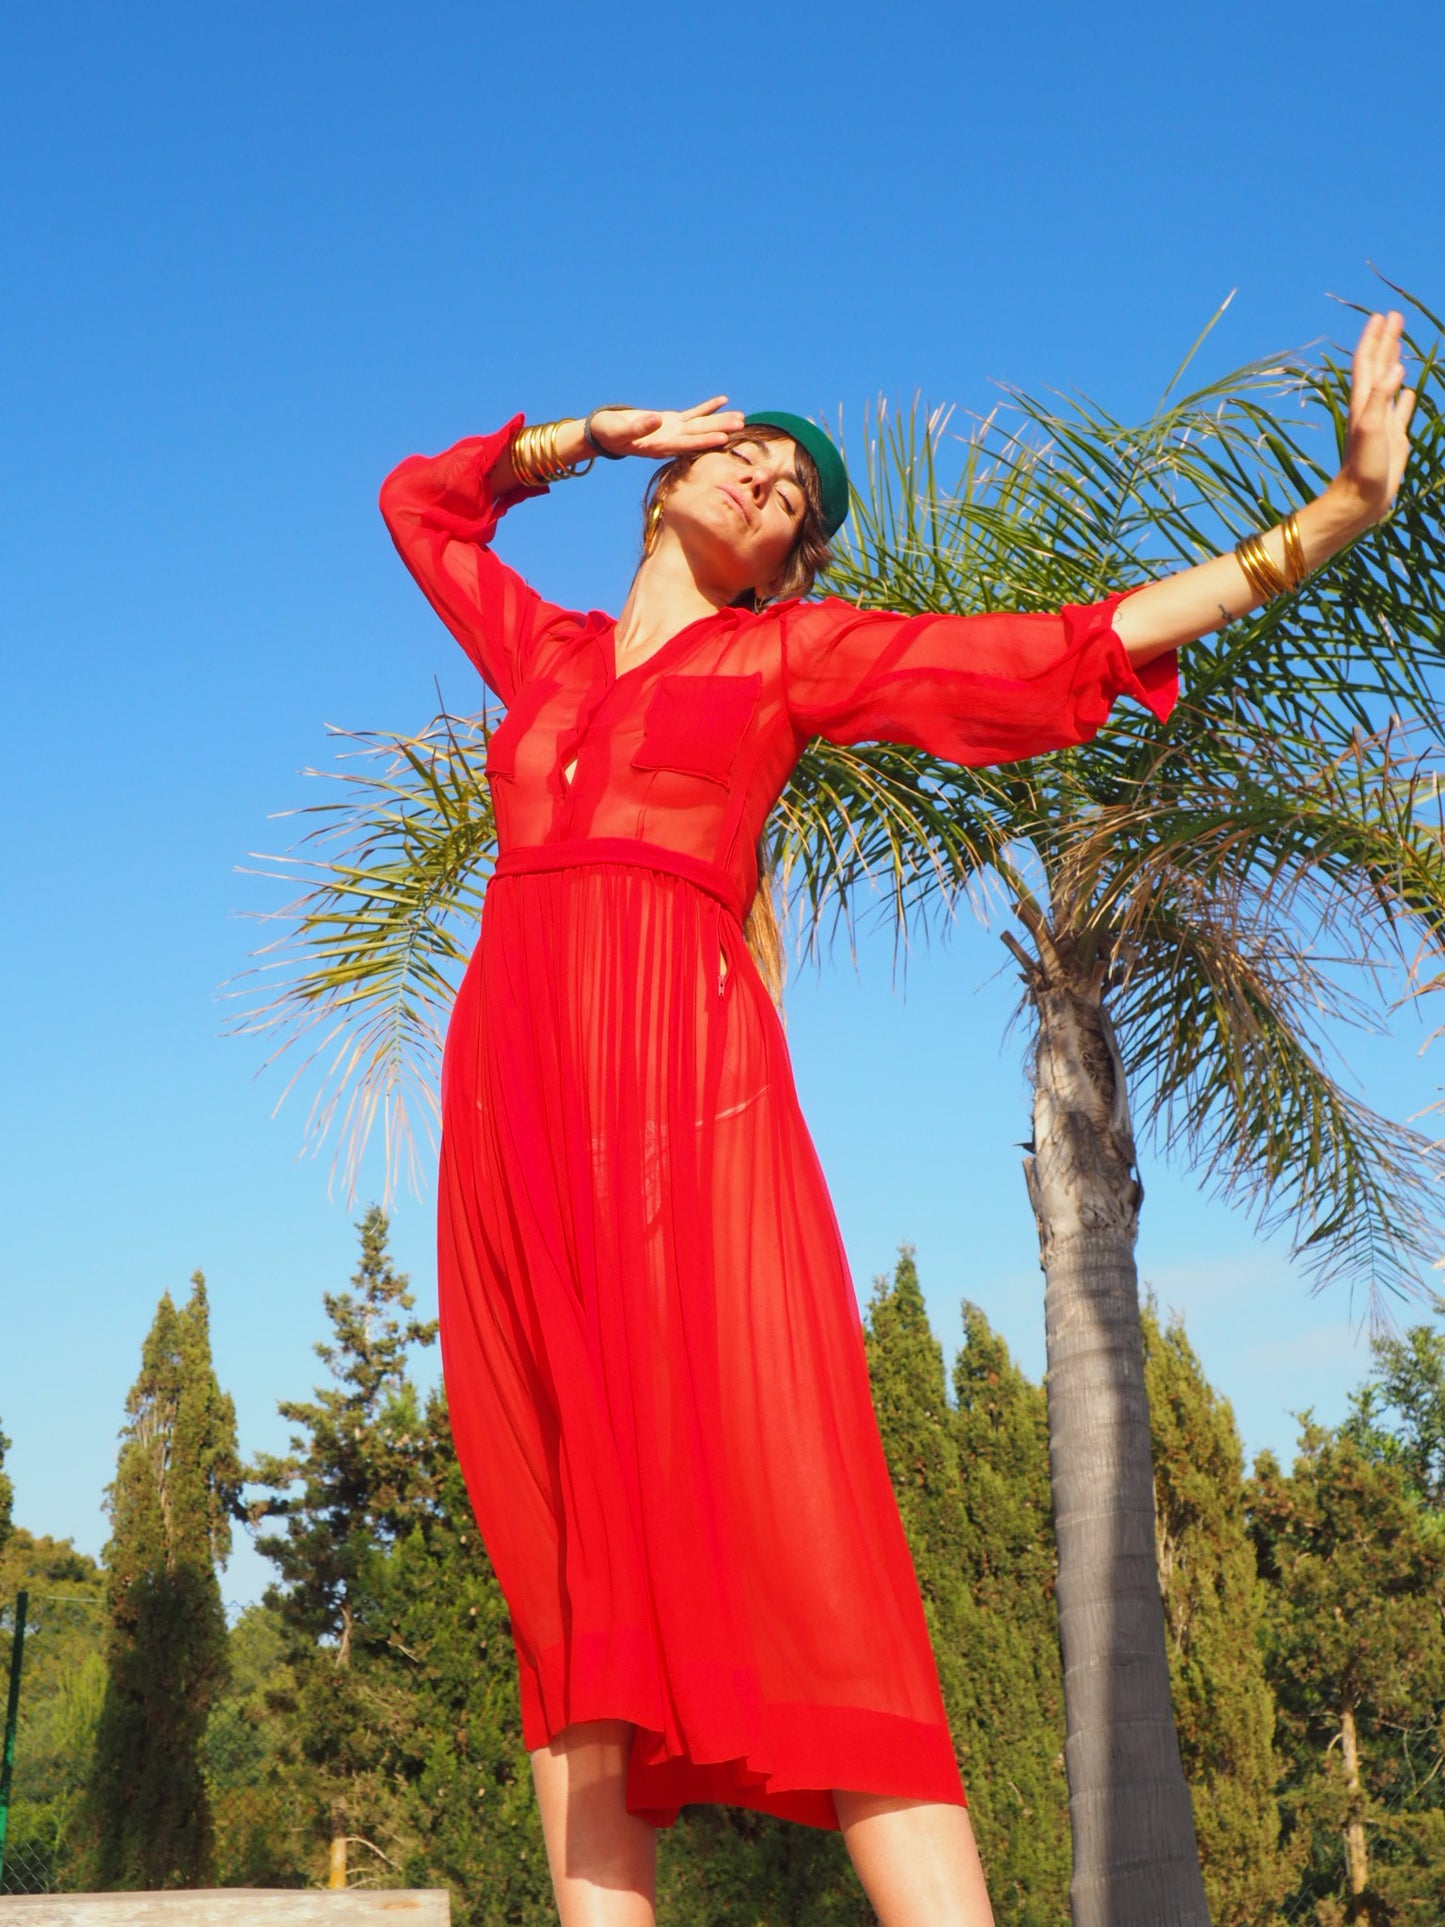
12, 1710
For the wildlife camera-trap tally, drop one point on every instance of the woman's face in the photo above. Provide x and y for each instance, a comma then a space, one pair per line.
738, 512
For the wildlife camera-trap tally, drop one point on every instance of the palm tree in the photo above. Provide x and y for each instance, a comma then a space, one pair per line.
1195, 909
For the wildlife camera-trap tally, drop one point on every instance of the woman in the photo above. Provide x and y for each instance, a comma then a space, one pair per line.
652, 1348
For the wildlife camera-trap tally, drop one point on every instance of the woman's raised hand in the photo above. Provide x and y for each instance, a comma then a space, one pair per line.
1377, 444
661, 433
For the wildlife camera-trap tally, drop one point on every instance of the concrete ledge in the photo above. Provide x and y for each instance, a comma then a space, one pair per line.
234, 1907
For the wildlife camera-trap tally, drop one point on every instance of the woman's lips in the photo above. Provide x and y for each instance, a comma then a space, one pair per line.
737, 501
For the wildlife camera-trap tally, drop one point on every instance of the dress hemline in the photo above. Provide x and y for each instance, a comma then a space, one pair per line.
787, 1766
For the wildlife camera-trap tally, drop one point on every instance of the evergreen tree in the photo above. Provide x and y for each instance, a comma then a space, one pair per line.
1008, 1702
357, 1457
355, 1453
1355, 1571
1399, 1414
176, 1481
1212, 1605
973, 1491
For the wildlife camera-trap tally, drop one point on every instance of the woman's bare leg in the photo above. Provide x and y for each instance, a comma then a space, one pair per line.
603, 1859
916, 1859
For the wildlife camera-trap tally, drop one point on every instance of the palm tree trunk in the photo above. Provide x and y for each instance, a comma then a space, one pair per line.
1136, 1861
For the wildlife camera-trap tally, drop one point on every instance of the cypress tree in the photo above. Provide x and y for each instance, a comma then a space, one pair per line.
1008, 1704
1355, 1572
1212, 1606
176, 1481
973, 1491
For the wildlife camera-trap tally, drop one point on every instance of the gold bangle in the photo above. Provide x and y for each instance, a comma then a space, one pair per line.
1244, 556
1258, 565
535, 460
529, 457
524, 457
1279, 577
1294, 552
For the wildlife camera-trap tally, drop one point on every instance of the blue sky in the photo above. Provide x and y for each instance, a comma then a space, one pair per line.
252, 256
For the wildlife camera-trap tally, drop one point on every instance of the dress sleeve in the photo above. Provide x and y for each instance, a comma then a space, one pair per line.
971, 689
442, 515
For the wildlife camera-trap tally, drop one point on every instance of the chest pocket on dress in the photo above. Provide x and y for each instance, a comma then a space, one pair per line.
502, 744
696, 724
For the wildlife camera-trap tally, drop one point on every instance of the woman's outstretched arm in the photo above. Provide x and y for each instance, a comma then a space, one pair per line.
1184, 606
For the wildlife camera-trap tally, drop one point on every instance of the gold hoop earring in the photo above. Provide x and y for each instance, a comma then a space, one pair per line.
650, 528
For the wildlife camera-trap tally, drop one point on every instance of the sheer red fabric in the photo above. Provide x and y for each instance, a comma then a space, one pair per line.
652, 1348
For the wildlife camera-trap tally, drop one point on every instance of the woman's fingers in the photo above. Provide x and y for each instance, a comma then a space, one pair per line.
717, 428
1389, 368
708, 424
1377, 372
687, 431
1365, 348
709, 407
1378, 346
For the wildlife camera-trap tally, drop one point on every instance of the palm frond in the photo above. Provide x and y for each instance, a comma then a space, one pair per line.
913, 830
1248, 922
1353, 842
1228, 1034
357, 986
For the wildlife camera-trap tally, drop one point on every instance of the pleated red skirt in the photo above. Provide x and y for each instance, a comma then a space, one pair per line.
654, 1359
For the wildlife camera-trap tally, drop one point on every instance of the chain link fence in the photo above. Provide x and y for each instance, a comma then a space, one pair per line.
29, 1869
62, 1685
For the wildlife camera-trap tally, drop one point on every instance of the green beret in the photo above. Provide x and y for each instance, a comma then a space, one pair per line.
832, 475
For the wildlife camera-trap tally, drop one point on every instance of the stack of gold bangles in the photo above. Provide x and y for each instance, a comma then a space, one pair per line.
535, 461
1264, 578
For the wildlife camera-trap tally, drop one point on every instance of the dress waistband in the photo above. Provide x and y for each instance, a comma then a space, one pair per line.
531, 858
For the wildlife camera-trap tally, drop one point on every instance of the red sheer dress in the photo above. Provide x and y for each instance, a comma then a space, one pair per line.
652, 1349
